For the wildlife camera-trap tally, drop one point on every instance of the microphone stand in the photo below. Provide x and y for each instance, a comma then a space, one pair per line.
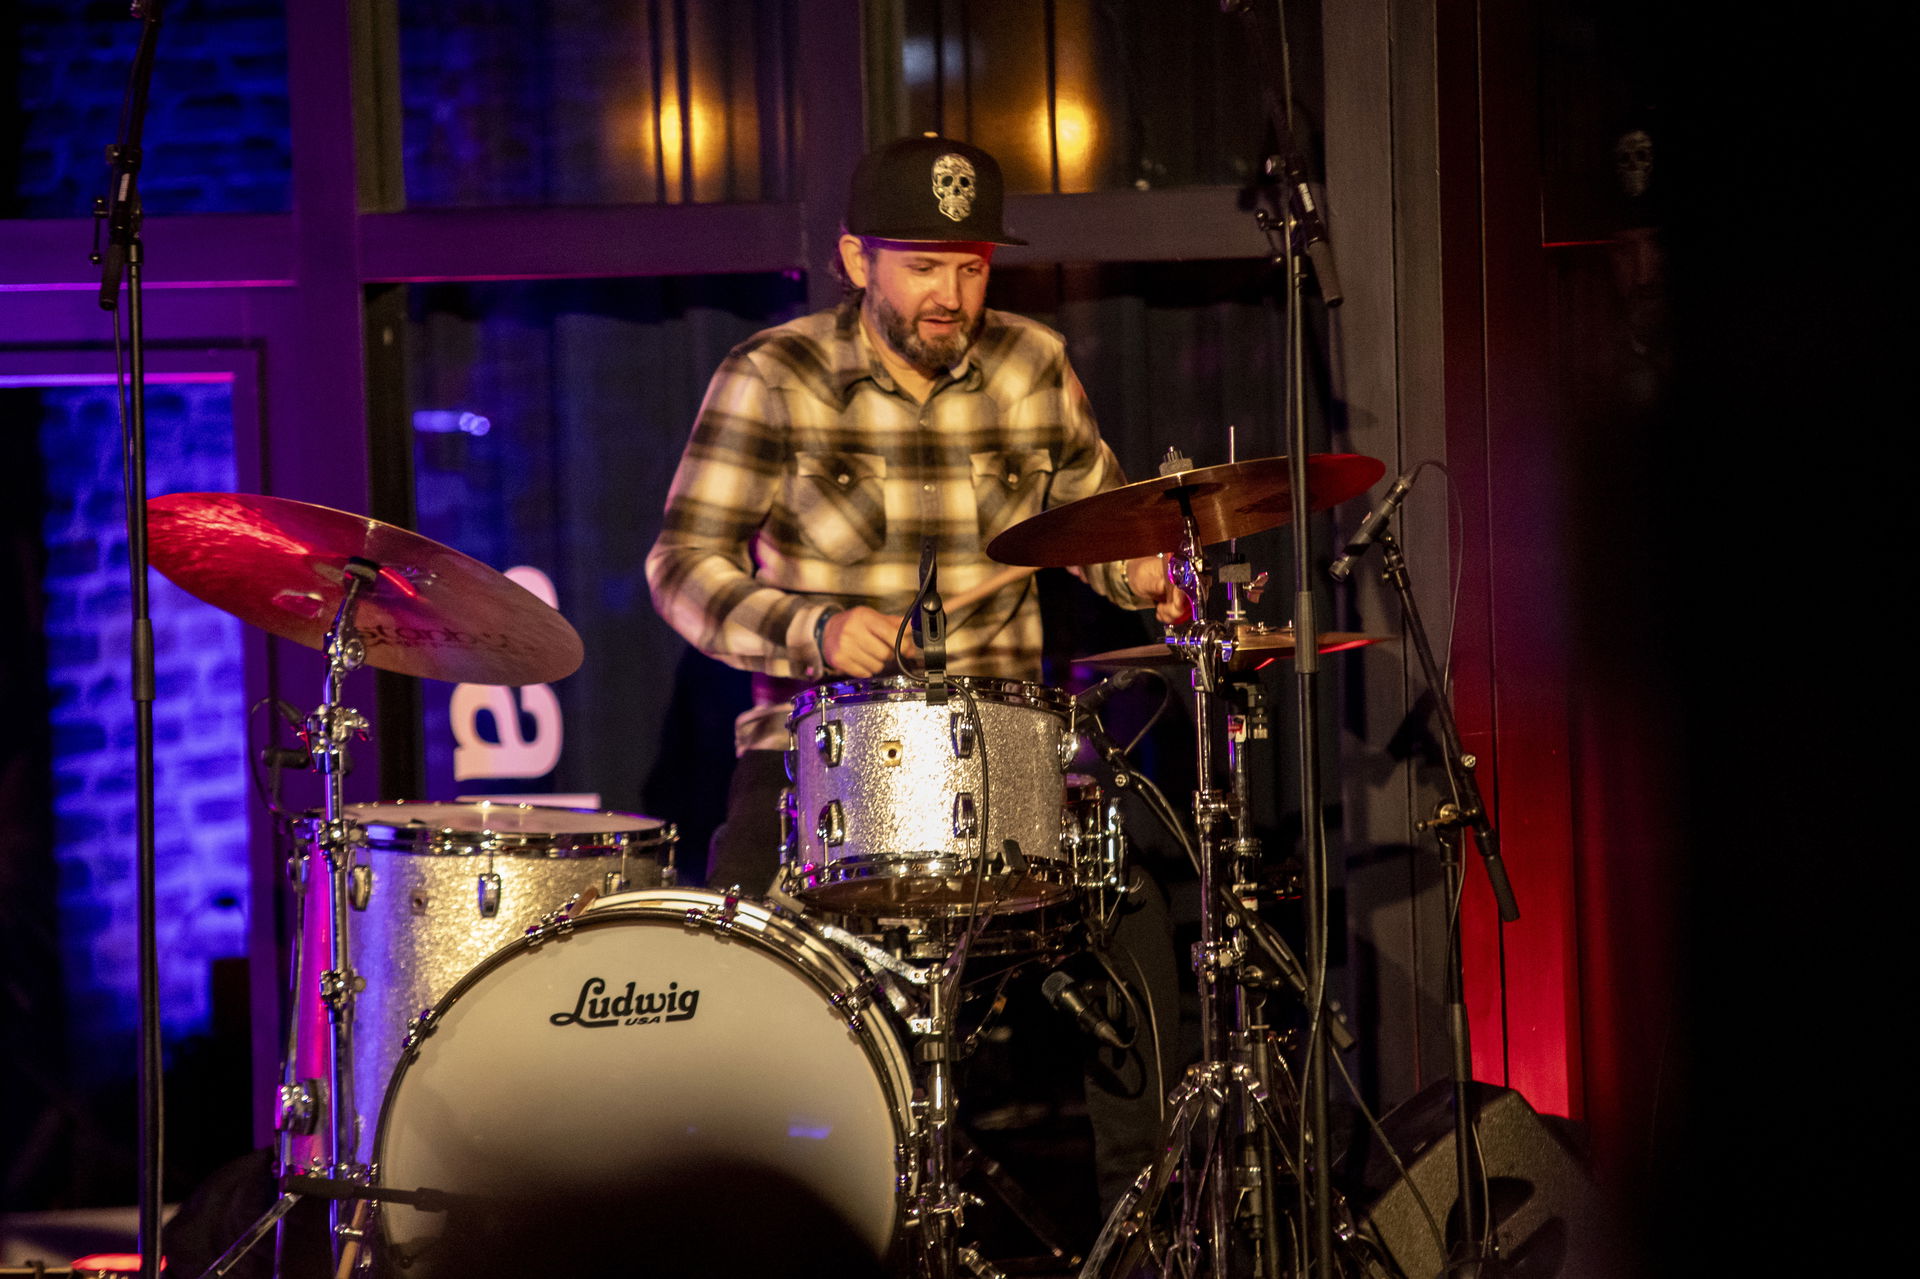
120, 211
1465, 809
1299, 232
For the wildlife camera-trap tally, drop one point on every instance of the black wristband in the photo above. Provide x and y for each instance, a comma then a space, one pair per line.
827, 614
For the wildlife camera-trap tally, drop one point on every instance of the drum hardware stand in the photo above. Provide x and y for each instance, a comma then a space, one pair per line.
1029, 1214
946, 1152
295, 1187
120, 212
941, 1203
302, 1102
1297, 230
1222, 1089
1227, 1145
1463, 809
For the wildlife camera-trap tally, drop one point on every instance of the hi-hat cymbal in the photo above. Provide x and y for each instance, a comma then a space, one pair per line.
430, 611
1254, 646
1236, 499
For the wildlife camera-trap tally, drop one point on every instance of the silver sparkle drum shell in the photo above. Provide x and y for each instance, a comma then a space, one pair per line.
883, 817
540, 1074
418, 924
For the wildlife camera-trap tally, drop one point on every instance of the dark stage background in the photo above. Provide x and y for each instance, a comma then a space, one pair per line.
467, 267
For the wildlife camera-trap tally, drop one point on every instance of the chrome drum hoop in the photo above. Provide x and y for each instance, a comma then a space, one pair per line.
629, 1087
898, 688
513, 830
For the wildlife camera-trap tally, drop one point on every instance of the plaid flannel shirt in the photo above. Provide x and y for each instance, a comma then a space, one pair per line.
811, 479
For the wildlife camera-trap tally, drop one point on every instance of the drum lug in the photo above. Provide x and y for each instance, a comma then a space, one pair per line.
789, 826
831, 827
966, 824
669, 869
359, 886
830, 740
488, 886
1115, 840
962, 735
1069, 749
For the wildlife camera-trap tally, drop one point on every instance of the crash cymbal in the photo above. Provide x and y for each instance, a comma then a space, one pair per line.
431, 611
1236, 499
1254, 647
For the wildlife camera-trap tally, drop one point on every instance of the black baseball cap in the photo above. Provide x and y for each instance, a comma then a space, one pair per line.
929, 189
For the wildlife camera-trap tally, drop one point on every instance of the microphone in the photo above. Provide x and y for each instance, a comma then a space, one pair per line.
1066, 994
1373, 526
1089, 701
930, 625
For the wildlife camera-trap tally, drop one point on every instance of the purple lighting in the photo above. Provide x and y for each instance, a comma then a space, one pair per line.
450, 421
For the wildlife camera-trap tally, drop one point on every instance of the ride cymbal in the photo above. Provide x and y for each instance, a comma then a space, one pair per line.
430, 611
1235, 499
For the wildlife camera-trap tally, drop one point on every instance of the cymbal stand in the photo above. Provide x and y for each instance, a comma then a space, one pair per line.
1225, 1097
330, 728
302, 1100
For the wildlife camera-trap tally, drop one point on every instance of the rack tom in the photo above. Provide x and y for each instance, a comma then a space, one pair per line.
903, 807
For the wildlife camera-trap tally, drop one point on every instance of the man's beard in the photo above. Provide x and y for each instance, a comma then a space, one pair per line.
903, 335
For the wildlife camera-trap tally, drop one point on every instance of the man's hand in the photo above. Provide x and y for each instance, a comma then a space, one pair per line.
1147, 576
859, 642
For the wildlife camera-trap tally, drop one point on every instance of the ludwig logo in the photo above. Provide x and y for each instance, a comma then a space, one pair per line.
596, 1007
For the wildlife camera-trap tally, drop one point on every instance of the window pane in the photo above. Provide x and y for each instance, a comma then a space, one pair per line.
1111, 93
593, 101
577, 400
216, 133
200, 757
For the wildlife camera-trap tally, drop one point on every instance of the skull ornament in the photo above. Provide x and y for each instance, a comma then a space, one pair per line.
953, 186
1633, 162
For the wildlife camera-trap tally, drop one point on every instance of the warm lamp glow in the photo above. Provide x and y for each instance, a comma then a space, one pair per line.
673, 139
1074, 132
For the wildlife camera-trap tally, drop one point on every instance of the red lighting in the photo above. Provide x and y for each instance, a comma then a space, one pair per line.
112, 1263
400, 583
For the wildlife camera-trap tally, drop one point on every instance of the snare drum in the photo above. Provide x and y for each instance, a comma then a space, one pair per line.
661, 1038
884, 814
435, 890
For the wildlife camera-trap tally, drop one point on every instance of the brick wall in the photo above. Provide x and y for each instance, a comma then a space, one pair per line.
201, 786
216, 134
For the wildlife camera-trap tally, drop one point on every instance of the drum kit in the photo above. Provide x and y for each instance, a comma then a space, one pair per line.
490, 997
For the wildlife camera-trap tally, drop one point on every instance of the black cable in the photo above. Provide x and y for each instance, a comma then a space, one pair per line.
1166, 700
1393, 1156
961, 688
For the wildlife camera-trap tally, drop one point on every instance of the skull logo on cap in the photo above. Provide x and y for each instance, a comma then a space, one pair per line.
953, 186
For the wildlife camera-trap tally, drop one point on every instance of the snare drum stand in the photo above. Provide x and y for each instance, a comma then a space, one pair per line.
940, 1205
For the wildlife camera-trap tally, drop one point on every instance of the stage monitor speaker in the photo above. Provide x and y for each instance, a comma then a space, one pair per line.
1549, 1220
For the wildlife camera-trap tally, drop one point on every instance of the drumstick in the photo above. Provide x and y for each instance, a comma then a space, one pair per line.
357, 1225
999, 581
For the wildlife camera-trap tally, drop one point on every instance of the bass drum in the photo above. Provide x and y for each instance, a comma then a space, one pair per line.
661, 1049
435, 889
